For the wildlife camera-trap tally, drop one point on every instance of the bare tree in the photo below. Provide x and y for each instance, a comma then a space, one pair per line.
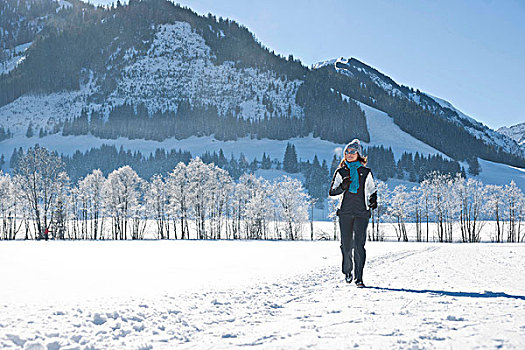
292, 202
257, 211
399, 210
122, 196
10, 207
513, 200
179, 198
199, 184
425, 189
220, 191
472, 194
417, 206
157, 201
494, 207
90, 196
37, 172
333, 204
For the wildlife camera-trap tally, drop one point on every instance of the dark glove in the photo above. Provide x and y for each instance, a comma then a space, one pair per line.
345, 185
372, 202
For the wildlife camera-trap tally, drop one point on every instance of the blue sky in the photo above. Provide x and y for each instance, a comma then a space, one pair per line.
470, 53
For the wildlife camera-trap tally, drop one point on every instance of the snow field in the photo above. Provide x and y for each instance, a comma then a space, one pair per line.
223, 294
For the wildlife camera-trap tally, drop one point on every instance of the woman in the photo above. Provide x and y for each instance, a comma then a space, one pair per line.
356, 183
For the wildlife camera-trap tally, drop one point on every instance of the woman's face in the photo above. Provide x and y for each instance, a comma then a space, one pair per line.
349, 156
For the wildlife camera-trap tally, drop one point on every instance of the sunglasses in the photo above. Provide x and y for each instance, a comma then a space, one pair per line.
350, 151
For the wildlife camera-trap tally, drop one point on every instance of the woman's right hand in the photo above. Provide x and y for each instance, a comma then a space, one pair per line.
345, 185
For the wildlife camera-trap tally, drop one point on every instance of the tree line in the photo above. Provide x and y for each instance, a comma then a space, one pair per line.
316, 174
443, 205
195, 200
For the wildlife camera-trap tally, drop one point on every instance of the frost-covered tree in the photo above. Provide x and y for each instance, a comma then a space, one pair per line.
452, 204
333, 204
239, 198
425, 190
11, 207
37, 173
156, 199
220, 188
383, 195
472, 197
61, 207
89, 195
438, 186
258, 209
416, 208
398, 209
494, 209
514, 199
179, 198
292, 203
200, 182
122, 196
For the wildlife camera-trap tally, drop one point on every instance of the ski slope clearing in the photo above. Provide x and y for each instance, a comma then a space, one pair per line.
383, 131
224, 294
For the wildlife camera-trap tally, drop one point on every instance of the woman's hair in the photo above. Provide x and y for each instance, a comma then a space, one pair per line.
360, 158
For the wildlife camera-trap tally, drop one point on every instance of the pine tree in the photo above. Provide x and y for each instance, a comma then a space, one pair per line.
473, 166
290, 163
29, 132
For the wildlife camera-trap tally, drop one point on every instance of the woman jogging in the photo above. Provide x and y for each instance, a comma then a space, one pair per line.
356, 183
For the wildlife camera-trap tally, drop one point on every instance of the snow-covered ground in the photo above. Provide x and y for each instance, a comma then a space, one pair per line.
278, 294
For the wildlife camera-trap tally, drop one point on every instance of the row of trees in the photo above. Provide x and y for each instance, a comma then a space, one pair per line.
316, 174
196, 200
199, 200
443, 205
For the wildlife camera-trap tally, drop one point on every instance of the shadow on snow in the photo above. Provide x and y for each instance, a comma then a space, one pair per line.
486, 294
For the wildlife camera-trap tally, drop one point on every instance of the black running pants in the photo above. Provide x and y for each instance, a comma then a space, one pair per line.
353, 235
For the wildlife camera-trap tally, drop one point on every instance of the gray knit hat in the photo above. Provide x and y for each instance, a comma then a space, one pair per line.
355, 144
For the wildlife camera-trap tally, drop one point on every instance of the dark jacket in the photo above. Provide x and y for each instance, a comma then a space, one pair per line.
357, 204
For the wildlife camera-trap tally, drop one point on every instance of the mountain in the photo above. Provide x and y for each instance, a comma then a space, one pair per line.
516, 132
428, 118
153, 74
155, 70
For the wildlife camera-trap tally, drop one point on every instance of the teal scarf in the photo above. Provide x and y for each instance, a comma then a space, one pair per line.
354, 176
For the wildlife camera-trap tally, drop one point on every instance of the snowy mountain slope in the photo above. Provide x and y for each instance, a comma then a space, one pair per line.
355, 69
22, 20
383, 132
45, 111
486, 133
181, 62
229, 294
12, 58
178, 66
515, 132
501, 174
